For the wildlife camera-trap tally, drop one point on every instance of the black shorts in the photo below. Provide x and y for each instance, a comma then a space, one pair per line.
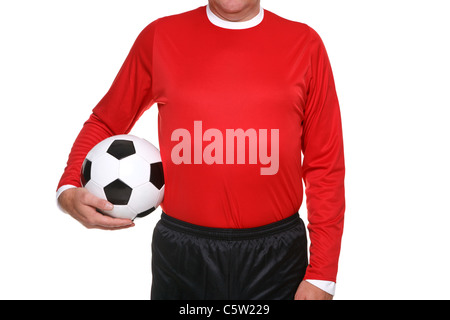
191, 262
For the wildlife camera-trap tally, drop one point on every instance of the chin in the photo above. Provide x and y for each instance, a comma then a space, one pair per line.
233, 6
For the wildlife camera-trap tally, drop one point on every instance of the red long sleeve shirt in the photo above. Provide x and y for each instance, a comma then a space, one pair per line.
237, 108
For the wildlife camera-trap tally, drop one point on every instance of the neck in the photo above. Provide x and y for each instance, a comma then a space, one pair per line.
245, 14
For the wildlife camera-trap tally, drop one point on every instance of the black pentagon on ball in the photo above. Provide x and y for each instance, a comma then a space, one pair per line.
86, 172
121, 149
157, 175
118, 192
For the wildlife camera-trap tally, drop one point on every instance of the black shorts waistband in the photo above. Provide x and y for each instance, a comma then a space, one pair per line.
231, 234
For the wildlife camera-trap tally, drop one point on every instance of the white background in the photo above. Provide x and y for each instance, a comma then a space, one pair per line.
392, 71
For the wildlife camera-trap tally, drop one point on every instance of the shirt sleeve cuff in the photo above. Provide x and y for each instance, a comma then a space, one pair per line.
327, 286
61, 190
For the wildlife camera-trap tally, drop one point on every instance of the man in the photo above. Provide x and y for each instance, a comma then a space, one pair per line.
241, 94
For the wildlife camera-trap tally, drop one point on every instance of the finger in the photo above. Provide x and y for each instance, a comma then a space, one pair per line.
111, 228
104, 221
96, 202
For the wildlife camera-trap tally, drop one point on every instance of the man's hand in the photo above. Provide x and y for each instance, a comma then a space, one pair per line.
307, 291
81, 205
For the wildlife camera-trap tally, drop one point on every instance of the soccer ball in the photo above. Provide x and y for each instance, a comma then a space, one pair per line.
127, 171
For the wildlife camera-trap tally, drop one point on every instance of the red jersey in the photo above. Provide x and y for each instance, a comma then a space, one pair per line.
237, 108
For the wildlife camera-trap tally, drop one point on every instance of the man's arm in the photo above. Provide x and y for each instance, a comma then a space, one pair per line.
323, 169
127, 99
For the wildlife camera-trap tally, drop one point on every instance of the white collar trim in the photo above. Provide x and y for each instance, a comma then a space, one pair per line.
215, 20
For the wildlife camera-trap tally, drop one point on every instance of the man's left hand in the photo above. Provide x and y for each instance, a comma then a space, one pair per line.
308, 291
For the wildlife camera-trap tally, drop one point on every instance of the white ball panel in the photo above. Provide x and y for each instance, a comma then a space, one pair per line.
100, 149
161, 195
122, 212
147, 151
124, 137
144, 198
95, 189
105, 169
134, 171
